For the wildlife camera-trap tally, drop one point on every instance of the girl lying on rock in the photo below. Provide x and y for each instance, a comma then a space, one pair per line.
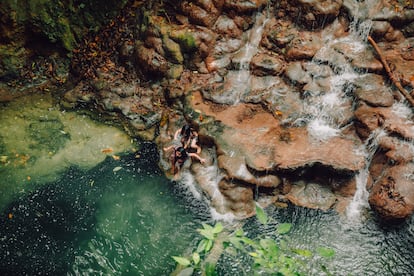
188, 137
178, 158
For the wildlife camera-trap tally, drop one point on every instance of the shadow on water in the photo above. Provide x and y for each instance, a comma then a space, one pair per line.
121, 217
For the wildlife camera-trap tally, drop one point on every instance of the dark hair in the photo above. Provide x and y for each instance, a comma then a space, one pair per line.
186, 131
182, 151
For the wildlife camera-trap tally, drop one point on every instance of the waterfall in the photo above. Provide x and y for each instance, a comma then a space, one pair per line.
359, 202
241, 77
207, 179
324, 110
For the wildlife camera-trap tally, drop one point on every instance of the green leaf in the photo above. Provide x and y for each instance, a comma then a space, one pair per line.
209, 245
207, 227
207, 233
201, 246
247, 241
326, 252
182, 261
253, 254
196, 258
217, 228
283, 228
303, 252
239, 232
283, 245
261, 214
235, 241
210, 269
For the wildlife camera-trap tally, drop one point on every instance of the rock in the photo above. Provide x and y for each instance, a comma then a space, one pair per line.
392, 196
361, 58
240, 199
244, 6
370, 118
150, 62
172, 50
235, 168
311, 195
226, 26
277, 34
198, 15
296, 73
317, 14
266, 64
372, 89
304, 46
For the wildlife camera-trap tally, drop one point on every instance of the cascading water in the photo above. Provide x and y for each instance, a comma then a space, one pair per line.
359, 202
208, 178
238, 80
325, 111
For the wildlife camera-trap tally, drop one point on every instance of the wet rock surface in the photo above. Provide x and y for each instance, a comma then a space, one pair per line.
287, 99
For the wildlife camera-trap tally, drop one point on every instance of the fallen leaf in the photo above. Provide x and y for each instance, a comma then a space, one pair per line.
107, 150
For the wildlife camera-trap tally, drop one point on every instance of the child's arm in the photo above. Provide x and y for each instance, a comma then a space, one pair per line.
168, 148
202, 160
176, 133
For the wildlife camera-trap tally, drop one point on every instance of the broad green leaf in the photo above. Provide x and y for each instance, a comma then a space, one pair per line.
210, 269
196, 258
248, 241
326, 252
261, 214
201, 245
283, 245
283, 228
182, 261
303, 252
209, 245
207, 227
267, 243
235, 241
207, 233
253, 254
217, 228
239, 232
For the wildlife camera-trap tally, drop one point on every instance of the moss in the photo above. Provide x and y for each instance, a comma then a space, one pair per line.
11, 60
186, 40
172, 50
175, 71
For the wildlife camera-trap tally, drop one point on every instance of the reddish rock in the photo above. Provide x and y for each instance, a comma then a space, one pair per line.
304, 46
150, 62
267, 64
392, 196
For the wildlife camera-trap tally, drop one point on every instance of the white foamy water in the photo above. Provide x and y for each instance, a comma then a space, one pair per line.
359, 203
325, 109
246, 53
202, 186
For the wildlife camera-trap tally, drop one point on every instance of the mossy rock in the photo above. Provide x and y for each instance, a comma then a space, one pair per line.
172, 50
175, 71
185, 39
11, 60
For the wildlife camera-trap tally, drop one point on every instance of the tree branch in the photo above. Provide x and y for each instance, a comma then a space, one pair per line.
394, 80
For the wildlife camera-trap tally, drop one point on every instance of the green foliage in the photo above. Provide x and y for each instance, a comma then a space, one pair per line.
261, 215
270, 255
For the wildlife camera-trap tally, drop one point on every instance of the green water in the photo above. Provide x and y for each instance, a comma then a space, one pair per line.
100, 222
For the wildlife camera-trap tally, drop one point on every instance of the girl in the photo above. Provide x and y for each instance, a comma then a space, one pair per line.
178, 158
